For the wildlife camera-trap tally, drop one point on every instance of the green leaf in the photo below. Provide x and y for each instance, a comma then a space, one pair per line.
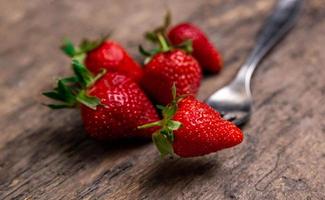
173, 125
162, 144
84, 76
160, 107
66, 92
171, 137
151, 36
73, 84
80, 57
71, 79
168, 133
187, 46
68, 48
54, 95
168, 129
62, 93
89, 101
169, 111
143, 51
164, 132
163, 28
87, 45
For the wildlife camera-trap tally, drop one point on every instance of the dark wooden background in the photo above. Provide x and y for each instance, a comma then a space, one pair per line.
46, 155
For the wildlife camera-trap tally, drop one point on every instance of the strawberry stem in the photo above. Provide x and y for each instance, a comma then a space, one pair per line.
159, 37
98, 76
164, 137
149, 125
163, 43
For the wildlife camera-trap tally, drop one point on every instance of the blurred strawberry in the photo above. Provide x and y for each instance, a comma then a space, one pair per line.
203, 50
169, 64
106, 54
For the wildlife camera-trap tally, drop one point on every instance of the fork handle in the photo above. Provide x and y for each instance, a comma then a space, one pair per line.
277, 25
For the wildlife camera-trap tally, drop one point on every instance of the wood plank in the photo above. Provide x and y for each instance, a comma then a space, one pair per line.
46, 155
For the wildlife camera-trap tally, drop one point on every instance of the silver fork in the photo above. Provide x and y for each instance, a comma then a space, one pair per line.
234, 101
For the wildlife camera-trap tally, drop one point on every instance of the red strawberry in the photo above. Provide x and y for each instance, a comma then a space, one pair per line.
111, 56
192, 128
203, 130
112, 105
203, 50
168, 65
106, 54
125, 106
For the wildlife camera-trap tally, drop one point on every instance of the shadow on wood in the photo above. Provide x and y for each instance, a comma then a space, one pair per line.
176, 174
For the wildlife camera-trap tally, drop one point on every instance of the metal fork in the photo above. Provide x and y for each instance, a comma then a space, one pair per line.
234, 101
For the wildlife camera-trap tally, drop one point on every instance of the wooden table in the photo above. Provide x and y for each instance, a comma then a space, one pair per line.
45, 154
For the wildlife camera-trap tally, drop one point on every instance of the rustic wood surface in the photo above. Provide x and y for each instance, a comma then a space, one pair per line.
46, 155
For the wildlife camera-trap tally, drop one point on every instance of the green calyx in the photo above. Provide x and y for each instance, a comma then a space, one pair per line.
159, 37
79, 52
72, 90
164, 137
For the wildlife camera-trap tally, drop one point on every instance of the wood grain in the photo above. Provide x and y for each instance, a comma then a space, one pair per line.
46, 155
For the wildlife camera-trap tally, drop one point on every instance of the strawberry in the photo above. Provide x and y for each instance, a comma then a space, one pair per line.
203, 50
191, 128
167, 65
106, 54
112, 105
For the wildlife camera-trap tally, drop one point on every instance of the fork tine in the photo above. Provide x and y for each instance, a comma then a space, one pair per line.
229, 116
222, 113
239, 121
